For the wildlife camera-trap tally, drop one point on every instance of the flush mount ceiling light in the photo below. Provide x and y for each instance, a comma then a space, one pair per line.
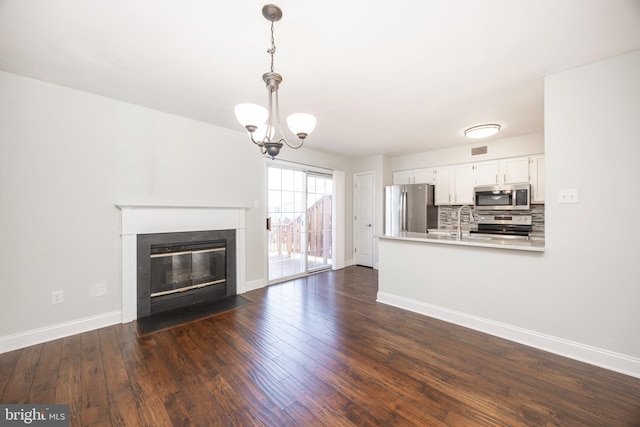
260, 121
482, 131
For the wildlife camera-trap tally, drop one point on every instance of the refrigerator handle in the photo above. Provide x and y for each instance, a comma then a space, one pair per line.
403, 209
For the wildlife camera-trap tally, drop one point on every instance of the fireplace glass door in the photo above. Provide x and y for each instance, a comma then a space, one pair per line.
182, 267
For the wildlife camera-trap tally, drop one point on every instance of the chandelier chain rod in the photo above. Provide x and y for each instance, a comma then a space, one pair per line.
278, 123
270, 117
272, 50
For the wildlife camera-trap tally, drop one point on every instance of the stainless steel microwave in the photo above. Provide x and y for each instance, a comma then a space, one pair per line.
512, 197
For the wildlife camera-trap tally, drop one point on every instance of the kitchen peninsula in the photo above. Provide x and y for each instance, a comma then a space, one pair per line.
465, 281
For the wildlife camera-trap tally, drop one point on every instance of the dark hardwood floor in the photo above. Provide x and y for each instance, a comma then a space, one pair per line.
314, 352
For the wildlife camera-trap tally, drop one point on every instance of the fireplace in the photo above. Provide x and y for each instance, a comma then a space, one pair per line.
141, 219
178, 270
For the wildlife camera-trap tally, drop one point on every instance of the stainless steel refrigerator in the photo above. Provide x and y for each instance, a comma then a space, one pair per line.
410, 207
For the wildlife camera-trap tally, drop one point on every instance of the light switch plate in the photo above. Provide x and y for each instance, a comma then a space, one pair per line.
568, 196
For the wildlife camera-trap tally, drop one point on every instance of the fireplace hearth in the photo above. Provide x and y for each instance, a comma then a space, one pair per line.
183, 269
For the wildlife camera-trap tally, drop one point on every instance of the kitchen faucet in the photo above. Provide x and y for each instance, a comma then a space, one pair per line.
459, 216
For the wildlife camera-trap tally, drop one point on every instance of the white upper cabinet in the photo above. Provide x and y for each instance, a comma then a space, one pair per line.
487, 173
514, 170
506, 171
464, 179
424, 176
444, 185
455, 183
402, 177
415, 176
536, 171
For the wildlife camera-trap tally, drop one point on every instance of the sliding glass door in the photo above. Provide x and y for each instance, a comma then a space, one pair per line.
319, 225
299, 211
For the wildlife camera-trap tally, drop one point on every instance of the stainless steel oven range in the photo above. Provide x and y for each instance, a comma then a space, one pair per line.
505, 225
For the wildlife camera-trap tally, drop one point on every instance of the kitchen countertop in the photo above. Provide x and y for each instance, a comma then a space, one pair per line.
535, 245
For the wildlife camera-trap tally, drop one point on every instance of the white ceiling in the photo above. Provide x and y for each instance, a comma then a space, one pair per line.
381, 77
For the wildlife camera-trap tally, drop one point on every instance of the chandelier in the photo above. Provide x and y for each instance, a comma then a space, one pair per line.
259, 121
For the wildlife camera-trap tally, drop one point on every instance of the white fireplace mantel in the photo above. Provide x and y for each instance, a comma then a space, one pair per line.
145, 219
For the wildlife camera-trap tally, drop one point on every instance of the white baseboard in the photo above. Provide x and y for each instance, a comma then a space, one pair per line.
61, 330
594, 356
254, 284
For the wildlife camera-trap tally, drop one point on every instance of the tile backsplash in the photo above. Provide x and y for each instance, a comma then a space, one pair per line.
446, 214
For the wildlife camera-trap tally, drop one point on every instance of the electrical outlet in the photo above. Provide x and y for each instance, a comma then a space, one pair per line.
57, 297
101, 289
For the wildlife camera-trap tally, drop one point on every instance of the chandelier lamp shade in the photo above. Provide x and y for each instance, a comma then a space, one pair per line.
263, 124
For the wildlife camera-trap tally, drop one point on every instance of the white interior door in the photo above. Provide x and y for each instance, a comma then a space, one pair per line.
363, 219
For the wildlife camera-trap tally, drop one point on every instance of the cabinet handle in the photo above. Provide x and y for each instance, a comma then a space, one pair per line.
504, 178
496, 178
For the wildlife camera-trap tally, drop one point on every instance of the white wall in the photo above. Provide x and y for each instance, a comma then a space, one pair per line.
592, 123
67, 157
580, 297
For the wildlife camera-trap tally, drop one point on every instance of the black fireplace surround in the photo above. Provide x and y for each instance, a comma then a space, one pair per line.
178, 270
